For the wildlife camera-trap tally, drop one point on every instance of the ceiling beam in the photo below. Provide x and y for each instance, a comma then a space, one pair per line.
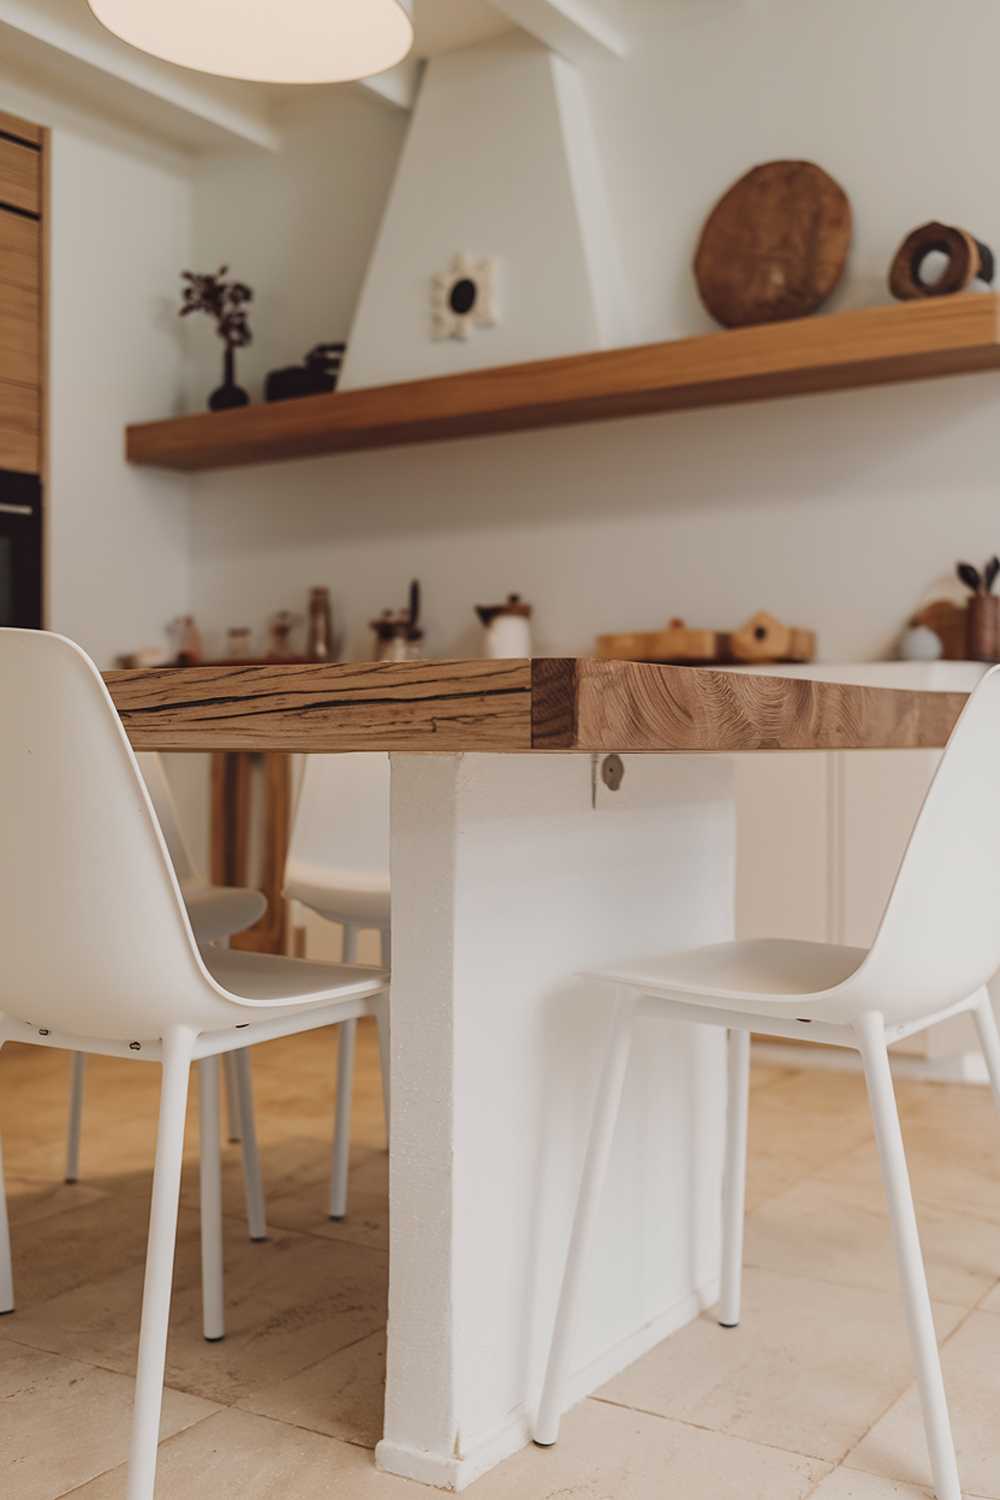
577, 29
75, 37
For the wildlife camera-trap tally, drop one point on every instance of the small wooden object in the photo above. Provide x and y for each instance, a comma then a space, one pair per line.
763, 638
947, 620
968, 259
774, 246
982, 615
676, 643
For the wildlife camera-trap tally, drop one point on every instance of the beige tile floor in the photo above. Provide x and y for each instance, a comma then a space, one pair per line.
811, 1397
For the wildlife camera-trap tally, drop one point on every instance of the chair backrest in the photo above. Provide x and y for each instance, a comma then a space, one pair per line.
338, 857
151, 765
939, 938
93, 931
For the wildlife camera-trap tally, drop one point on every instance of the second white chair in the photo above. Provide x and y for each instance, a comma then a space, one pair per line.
937, 946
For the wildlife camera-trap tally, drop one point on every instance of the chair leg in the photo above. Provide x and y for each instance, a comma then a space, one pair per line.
234, 1128
253, 1181
989, 1040
6, 1262
734, 1187
889, 1139
210, 1179
341, 1152
342, 1120
382, 1017
177, 1049
75, 1117
602, 1132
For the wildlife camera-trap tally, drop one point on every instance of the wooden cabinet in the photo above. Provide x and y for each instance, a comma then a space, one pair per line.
22, 148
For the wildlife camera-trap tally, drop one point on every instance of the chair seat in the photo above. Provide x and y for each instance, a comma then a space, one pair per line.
760, 975
341, 896
271, 984
218, 911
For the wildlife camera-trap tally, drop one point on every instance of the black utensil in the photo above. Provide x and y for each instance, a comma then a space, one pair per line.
970, 577
990, 572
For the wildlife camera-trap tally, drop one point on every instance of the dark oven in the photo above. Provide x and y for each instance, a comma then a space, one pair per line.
20, 550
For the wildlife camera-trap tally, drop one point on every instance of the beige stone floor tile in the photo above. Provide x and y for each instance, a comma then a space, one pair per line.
609, 1453
837, 1229
764, 1074
342, 1396
851, 1484
810, 1368
606, 1454
895, 1446
801, 1124
289, 1303
238, 1456
56, 1253
367, 1222
63, 1422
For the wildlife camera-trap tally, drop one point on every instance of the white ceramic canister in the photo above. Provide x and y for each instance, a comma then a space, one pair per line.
507, 627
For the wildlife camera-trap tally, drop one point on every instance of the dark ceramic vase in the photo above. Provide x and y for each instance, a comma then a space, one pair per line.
228, 394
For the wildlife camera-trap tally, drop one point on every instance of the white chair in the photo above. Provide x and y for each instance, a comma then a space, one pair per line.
99, 956
216, 914
338, 866
936, 947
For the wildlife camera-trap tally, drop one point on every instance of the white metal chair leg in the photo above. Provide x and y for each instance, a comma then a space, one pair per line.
177, 1049
234, 1127
889, 1139
735, 1180
989, 1040
595, 1168
79, 1066
6, 1262
253, 1181
347, 1035
210, 1170
342, 1119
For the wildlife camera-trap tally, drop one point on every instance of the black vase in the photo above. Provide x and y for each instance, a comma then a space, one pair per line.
228, 394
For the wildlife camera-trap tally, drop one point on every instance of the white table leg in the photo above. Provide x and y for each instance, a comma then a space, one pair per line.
508, 880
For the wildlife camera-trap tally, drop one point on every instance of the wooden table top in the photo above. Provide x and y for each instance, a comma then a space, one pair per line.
550, 703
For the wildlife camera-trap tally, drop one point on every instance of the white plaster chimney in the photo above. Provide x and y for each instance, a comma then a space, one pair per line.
501, 162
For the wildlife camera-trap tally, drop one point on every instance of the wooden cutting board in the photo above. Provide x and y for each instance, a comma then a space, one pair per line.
774, 246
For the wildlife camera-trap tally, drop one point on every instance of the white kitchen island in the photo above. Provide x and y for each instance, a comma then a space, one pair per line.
514, 867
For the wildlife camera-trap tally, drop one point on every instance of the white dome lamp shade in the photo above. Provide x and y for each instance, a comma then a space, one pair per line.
267, 41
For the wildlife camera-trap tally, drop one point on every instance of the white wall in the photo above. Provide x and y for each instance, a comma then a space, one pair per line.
836, 511
299, 227
118, 539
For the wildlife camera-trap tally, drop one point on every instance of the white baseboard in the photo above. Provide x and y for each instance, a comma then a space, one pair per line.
446, 1472
963, 1067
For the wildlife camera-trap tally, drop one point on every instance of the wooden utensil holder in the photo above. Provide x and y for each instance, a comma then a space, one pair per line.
982, 628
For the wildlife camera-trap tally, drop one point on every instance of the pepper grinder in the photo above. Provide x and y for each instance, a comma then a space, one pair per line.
320, 642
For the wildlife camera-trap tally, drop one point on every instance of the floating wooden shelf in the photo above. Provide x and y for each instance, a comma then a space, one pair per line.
905, 341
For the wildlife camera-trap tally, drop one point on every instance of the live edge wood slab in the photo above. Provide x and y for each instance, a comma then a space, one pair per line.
551, 703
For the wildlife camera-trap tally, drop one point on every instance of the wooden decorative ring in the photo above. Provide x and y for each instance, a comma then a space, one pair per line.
968, 258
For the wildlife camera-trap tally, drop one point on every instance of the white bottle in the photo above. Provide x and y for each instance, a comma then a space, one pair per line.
507, 630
